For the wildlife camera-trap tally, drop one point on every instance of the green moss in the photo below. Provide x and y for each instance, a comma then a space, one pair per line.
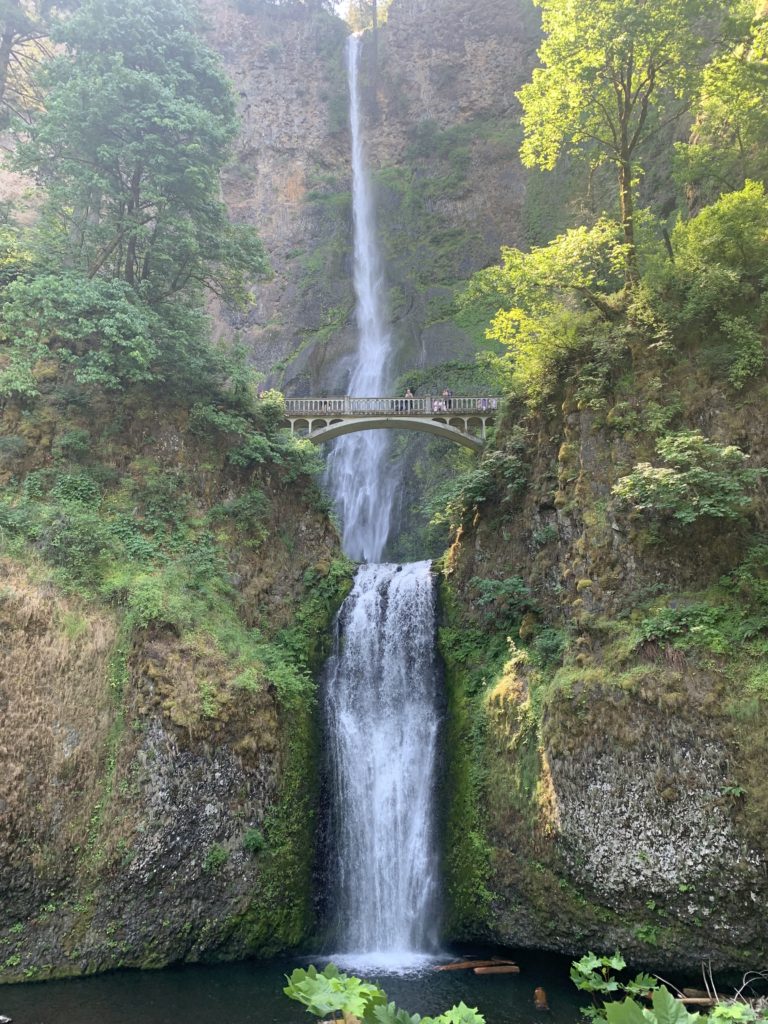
279, 915
215, 859
467, 853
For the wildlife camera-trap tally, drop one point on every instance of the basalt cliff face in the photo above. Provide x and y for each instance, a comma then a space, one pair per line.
156, 730
617, 794
286, 63
442, 133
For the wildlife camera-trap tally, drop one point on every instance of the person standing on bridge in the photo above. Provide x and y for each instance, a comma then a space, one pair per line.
409, 399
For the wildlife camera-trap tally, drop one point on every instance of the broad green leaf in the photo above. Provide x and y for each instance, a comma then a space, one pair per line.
461, 1014
390, 1014
669, 1010
628, 1012
641, 984
615, 962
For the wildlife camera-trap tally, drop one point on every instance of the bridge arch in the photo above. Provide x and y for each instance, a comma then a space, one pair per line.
319, 431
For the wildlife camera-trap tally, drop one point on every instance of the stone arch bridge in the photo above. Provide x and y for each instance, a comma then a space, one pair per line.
461, 420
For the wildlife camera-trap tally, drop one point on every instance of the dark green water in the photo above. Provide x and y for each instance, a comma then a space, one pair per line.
251, 993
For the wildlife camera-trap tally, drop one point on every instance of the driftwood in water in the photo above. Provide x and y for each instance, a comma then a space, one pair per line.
702, 1000
696, 993
468, 965
540, 999
498, 969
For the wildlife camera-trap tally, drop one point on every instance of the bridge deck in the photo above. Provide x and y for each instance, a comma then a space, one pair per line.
429, 406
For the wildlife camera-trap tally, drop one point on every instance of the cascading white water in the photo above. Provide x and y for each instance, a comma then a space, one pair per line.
381, 686
381, 707
357, 474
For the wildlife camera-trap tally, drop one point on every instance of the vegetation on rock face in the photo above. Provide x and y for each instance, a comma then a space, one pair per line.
624, 550
700, 479
149, 483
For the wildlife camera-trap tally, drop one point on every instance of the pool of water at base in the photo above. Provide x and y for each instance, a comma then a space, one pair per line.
251, 993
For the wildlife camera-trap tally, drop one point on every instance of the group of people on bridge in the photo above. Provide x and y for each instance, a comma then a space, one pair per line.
443, 403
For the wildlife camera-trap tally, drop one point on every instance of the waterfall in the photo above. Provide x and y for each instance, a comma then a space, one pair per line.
357, 474
381, 693
381, 701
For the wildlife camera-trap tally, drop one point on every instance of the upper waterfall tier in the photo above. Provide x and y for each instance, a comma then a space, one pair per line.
358, 474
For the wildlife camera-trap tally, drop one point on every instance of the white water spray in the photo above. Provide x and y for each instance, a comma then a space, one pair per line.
357, 473
381, 707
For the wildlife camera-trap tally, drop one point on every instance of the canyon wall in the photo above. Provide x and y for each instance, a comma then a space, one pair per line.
442, 130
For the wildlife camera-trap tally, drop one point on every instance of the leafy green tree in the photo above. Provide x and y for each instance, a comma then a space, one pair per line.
549, 298
23, 43
366, 14
715, 289
138, 121
614, 72
730, 138
99, 327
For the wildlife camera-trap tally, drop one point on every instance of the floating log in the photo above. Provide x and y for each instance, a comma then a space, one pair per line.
703, 1000
498, 969
467, 965
696, 993
540, 999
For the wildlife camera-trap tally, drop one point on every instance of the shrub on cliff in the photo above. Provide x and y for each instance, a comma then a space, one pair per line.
554, 301
714, 292
700, 479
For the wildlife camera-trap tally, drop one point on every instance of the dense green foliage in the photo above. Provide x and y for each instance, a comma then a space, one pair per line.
135, 127
137, 123
561, 314
612, 73
730, 144
700, 478
330, 992
601, 977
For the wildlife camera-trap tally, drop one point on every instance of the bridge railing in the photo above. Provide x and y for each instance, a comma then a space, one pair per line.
428, 405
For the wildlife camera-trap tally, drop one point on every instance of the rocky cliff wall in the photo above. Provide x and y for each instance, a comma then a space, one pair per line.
157, 733
286, 63
617, 796
442, 136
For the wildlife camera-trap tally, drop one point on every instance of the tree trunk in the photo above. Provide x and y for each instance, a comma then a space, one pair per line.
6, 48
631, 273
131, 259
